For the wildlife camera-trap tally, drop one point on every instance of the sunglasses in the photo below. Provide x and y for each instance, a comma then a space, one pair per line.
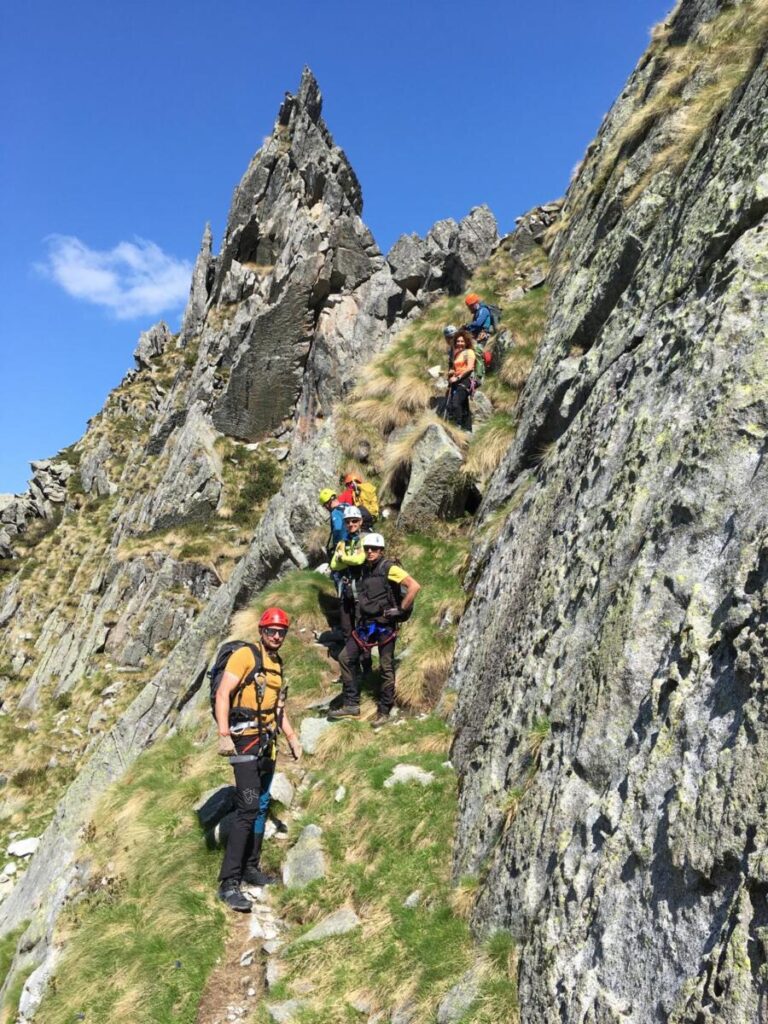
367, 547
275, 630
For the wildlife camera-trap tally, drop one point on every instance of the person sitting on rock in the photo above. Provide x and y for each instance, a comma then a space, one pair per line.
381, 605
460, 381
347, 565
250, 715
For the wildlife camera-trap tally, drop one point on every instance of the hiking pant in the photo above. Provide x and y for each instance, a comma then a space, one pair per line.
458, 407
252, 782
349, 661
347, 612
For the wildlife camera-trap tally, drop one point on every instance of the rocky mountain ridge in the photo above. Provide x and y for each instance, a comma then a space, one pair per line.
609, 668
276, 328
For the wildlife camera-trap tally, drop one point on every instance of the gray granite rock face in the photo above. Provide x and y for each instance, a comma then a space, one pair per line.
437, 488
611, 665
305, 862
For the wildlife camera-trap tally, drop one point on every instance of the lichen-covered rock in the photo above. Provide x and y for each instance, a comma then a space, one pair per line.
437, 488
305, 862
611, 732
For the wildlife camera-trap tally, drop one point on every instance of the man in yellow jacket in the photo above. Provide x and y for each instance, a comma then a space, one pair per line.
250, 714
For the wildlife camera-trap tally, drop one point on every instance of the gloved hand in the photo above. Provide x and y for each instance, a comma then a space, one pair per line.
392, 613
226, 747
295, 748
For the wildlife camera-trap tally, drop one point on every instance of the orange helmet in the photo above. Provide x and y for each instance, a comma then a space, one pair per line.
353, 478
274, 617
471, 299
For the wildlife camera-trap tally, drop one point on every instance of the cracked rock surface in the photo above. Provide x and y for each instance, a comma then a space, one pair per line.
612, 735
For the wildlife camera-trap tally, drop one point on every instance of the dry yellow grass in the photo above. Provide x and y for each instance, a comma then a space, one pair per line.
489, 448
463, 897
691, 85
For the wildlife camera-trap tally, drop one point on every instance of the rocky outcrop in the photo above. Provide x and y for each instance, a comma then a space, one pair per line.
43, 500
152, 343
611, 731
446, 257
437, 487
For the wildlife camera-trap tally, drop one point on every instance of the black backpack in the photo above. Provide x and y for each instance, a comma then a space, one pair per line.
375, 593
216, 671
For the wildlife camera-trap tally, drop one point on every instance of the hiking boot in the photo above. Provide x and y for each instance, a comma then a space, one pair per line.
381, 719
229, 893
345, 711
337, 702
255, 876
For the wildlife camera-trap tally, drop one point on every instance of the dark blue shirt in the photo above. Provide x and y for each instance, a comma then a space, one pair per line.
482, 321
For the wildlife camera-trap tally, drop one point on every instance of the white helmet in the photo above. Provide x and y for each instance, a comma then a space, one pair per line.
352, 512
450, 330
373, 540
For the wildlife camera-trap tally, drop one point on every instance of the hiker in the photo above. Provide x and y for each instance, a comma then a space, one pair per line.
460, 382
482, 323
347, 565
250, 715
362, 495
449, 333
380, 606
327, 498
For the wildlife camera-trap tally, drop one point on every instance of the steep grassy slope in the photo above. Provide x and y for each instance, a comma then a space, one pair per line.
151, 875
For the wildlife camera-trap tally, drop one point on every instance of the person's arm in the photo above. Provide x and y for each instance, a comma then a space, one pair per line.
229, 683
411, 590
290, 734
338, 562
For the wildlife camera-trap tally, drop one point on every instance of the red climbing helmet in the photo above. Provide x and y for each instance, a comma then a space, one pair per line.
353, 478
471, 299
274, 617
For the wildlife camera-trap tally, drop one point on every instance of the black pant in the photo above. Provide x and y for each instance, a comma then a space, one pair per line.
251, 778
347, 612
349, 661
458, 406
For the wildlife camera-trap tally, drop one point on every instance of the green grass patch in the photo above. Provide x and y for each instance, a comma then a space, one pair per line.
151, 904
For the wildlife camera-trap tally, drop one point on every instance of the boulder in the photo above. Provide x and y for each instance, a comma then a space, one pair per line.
282, 1013
282, 789
403, 773
338, 923
214, 805
311, 731
437, 488
305, 862
23, 847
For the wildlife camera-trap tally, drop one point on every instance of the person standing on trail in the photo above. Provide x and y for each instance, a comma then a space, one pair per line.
250, 715
381, 605
460, 381
347, 566
449, 334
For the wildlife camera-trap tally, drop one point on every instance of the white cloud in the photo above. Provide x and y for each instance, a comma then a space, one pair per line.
133, 279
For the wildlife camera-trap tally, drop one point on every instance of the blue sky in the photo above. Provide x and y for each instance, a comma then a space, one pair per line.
127, 126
